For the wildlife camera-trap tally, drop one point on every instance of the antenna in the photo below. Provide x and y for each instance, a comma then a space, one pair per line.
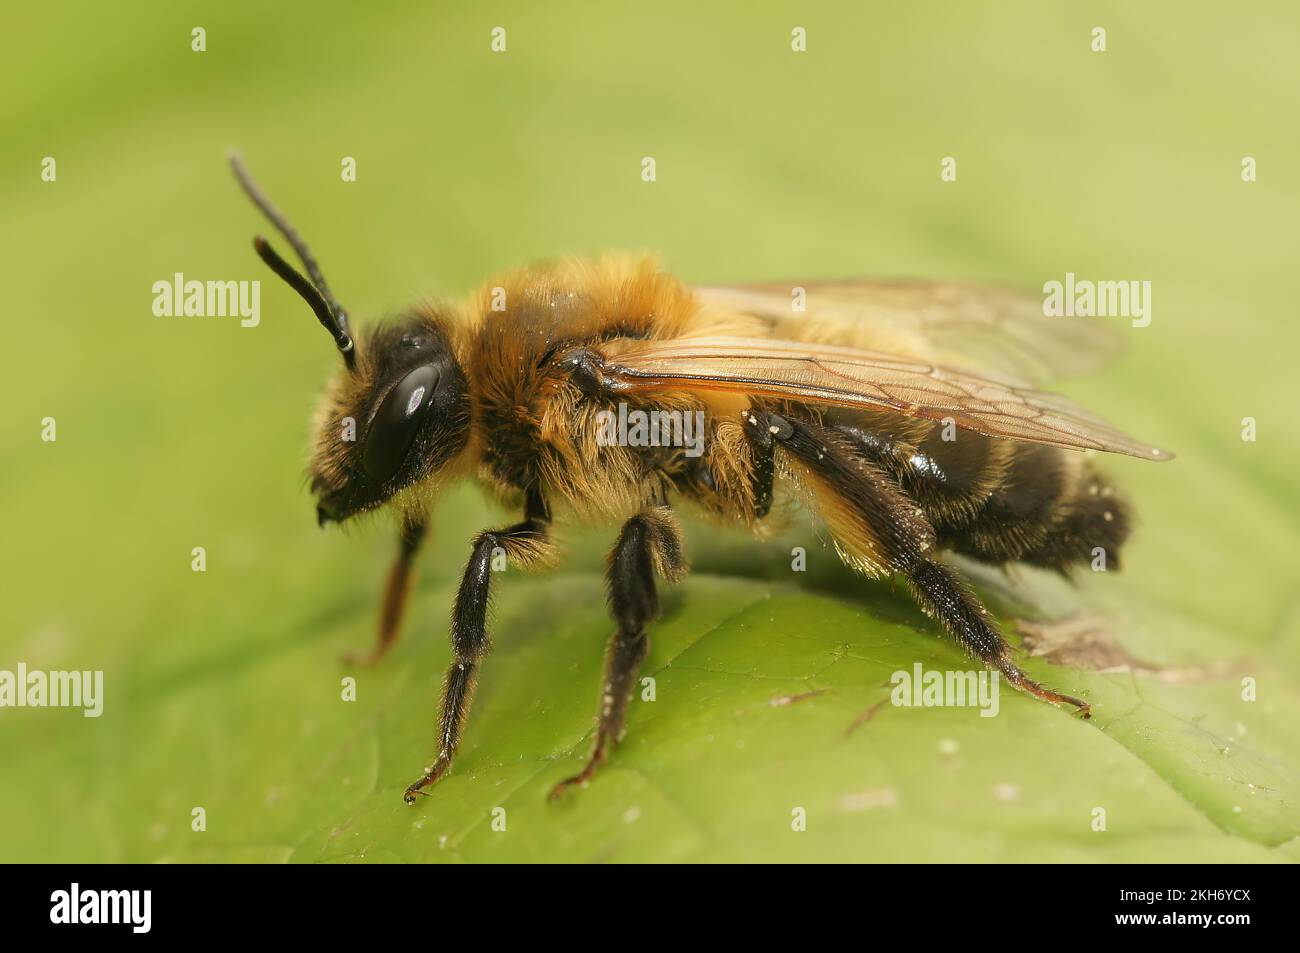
314, 291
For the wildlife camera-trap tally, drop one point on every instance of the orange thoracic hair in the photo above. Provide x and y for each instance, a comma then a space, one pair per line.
529, 421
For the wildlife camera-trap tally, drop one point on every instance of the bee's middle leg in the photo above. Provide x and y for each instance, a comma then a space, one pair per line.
649, 543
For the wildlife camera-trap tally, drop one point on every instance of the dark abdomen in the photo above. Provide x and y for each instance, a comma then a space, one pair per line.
999, 500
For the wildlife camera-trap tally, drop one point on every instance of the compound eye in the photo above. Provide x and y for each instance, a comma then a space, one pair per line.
395, 423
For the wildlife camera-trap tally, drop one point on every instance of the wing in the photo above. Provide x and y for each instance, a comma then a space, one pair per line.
977, 327
850, 377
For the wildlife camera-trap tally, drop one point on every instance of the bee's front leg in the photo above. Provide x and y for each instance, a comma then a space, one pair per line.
523, 543
396, 591
650, 543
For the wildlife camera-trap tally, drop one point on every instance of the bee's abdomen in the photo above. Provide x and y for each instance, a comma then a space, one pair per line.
1091, 521
1018, 515
952, 480
1052, 510
1002, 501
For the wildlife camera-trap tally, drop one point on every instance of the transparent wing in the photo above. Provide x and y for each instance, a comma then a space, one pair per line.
978, 327
851, 377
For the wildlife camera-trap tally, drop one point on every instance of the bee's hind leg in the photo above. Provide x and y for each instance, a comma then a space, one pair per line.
872, 510
649, 543
396, 591
940, 592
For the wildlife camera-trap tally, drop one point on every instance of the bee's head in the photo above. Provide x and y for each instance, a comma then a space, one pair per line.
399, 410
393, 420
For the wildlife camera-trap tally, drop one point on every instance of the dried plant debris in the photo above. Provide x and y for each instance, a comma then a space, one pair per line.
1087, 642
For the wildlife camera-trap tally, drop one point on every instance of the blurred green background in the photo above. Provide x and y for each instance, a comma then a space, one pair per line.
223, 688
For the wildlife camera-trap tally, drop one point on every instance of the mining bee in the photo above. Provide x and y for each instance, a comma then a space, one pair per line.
864, 404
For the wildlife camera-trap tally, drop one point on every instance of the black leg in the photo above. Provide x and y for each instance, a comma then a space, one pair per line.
763, 459
882, 531
396, 591
523, 543
650, 543
942, 594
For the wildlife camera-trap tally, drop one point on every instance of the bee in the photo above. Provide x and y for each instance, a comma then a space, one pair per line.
866, 405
